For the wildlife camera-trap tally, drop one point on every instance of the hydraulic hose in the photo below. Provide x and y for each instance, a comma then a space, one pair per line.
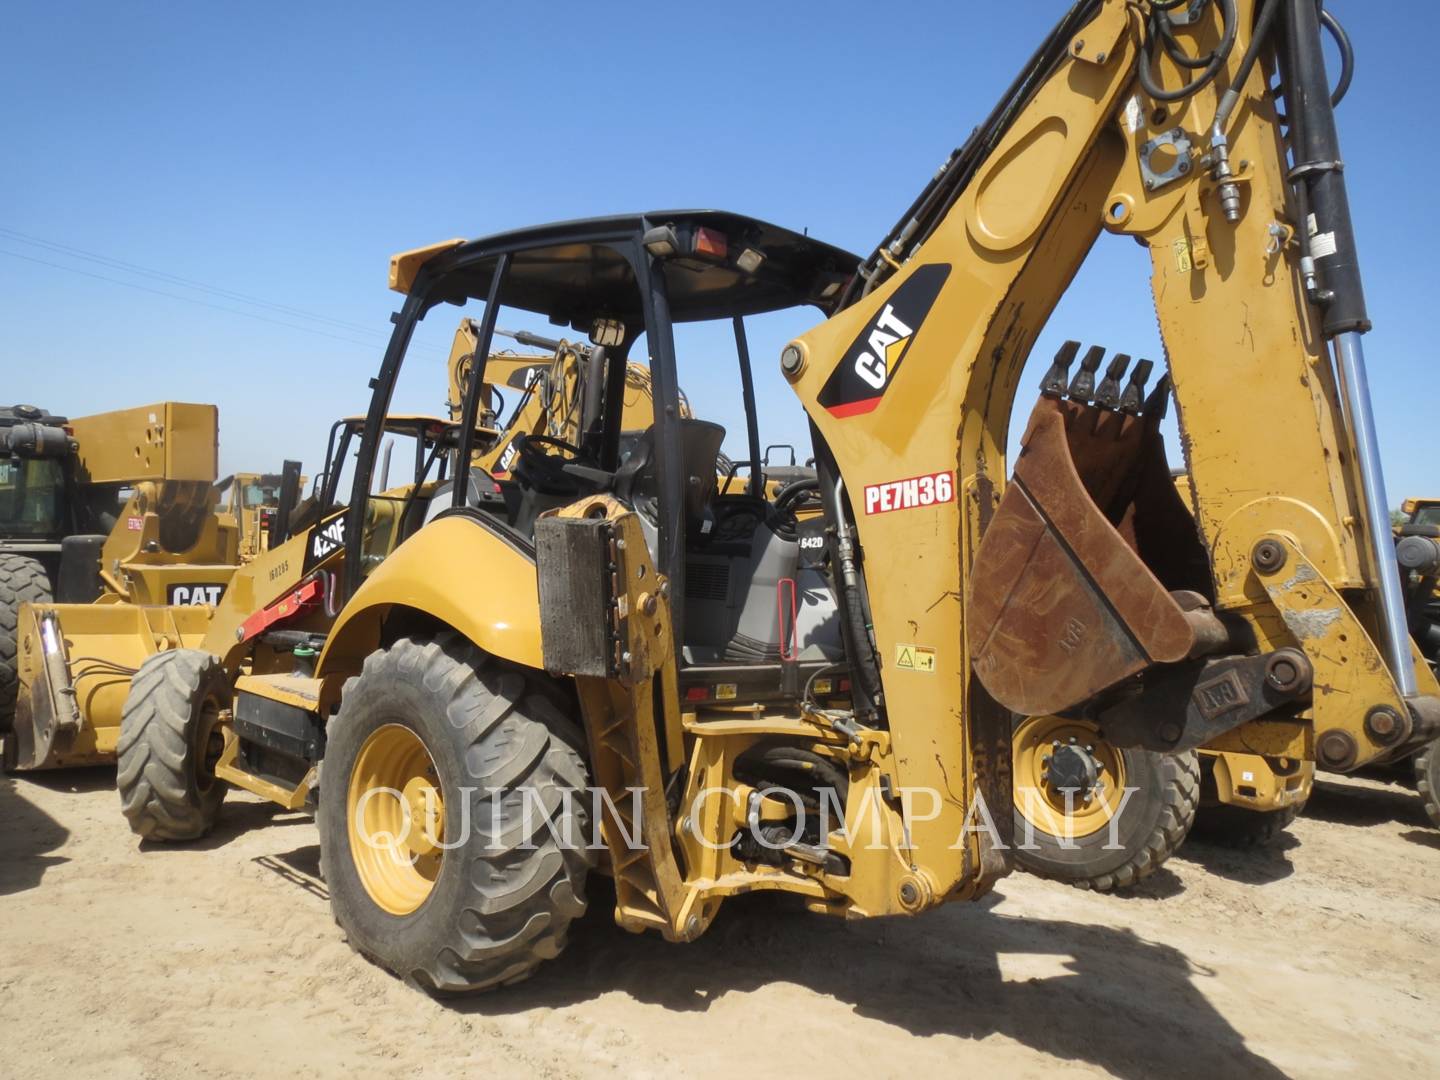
1347, 55
1158, 28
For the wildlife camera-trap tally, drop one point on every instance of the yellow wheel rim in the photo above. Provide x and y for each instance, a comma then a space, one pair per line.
396, 819
1040, 801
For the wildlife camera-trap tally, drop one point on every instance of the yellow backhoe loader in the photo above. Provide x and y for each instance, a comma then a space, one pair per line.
550, 392
599, 652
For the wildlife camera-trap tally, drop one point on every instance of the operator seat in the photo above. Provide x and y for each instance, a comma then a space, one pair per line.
444, 494
637, 482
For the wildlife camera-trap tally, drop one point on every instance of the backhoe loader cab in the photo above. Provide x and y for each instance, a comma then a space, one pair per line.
622, 280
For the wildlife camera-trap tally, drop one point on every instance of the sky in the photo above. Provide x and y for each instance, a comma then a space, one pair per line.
198, 201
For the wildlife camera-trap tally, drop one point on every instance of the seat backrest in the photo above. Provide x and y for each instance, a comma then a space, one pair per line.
444, 495
700, 440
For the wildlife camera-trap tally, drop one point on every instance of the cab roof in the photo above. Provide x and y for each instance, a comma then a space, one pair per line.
573, 272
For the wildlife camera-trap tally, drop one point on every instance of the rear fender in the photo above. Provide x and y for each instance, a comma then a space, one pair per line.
455, 571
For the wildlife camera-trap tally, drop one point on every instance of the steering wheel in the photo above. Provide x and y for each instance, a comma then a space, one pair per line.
552, 474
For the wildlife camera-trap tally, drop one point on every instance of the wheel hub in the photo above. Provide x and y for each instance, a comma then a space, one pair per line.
427, 816
1073, 768
1067, 777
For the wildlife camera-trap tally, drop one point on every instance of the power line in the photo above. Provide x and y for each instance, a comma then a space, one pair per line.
189, 299
188, 283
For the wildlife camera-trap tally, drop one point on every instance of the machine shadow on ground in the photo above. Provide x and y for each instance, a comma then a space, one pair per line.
29, 834
1349, 804
940, 974
1259, 865
1427, 837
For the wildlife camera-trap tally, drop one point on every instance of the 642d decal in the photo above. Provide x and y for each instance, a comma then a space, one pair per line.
858, 383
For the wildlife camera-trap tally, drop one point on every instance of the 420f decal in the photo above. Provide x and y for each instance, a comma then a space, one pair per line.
858, 383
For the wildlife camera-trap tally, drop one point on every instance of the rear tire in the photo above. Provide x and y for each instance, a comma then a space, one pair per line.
1148, 826
22, 581
1427, 780
489, 910
168, 744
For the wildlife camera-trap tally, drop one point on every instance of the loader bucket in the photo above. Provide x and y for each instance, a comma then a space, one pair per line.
75, 665
1071, 590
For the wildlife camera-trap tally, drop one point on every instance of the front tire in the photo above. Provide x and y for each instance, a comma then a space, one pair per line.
22, 581
168, 745
463, 894
1427, 780
1112, 841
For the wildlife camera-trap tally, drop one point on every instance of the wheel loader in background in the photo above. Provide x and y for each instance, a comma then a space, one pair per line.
253, 500
605, 640
116, 507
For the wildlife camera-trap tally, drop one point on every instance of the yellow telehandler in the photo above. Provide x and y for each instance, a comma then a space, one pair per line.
115, 511
599, 653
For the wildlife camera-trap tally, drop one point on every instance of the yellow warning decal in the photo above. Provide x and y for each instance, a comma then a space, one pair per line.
914, 658
1183, 261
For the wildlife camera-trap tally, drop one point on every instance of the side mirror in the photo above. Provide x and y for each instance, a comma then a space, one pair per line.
607, 332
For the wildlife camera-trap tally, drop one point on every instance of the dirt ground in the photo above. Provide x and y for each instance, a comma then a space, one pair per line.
220, 959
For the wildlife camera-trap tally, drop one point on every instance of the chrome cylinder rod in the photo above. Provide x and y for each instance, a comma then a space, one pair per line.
1350, 357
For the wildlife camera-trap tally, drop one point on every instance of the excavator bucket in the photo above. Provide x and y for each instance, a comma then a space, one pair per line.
1084, 577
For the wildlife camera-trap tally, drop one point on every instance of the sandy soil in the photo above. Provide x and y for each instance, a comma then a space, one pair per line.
220, 959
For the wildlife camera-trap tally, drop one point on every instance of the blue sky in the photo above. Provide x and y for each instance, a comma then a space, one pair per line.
281, 153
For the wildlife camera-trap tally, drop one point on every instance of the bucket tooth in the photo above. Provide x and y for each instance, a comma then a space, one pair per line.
1053, 384
1134, 394
1082, 387
1158, 403
1107, 394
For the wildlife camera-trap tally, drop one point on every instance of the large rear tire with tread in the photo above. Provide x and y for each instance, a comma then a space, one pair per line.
1427, 780
168, 745
1127, 842
1240, 827
22, 580
481, 891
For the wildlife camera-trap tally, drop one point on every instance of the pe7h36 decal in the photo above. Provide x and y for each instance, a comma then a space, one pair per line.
858, 383
911, 493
